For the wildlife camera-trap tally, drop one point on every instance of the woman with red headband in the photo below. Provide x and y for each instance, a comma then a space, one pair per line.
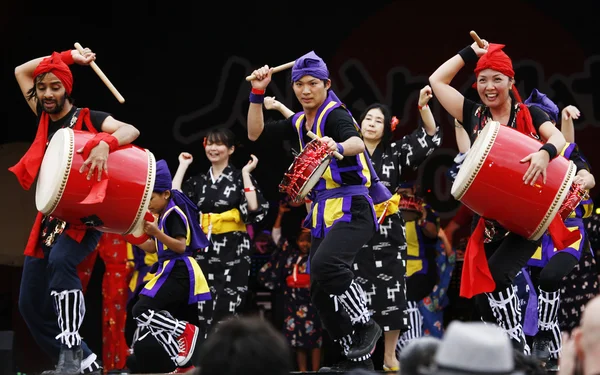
55, 248
506, 252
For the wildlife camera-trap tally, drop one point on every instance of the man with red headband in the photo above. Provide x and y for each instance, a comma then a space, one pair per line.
494, 256
54, 248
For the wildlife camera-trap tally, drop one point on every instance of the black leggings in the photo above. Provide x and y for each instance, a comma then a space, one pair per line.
331, 260
549, 278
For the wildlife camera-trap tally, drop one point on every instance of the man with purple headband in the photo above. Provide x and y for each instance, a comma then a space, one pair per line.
342, 217
548, 266
175, 236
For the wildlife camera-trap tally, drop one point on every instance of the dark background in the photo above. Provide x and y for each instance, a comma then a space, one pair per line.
181, 68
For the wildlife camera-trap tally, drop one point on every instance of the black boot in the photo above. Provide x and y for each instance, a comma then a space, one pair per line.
346, 365
364, 339
69, 362
541, 346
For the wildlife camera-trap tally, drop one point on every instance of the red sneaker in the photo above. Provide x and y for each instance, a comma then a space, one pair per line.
182, 370
187, 343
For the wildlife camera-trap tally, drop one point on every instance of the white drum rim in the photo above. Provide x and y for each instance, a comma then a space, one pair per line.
324, 165
64, 169
474, 160
559, 198
145, 201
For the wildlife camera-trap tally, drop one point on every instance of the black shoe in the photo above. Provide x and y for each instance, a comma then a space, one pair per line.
69, 362
364, 340
346, 365
552, 365
541, 346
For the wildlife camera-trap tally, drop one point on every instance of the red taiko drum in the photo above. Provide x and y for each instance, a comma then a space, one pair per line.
61, 188
490, 182
306, 170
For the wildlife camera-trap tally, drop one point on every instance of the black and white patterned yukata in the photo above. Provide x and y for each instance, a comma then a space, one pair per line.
379, 267
226, 262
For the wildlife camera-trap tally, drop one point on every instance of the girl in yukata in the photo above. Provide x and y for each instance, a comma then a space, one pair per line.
228, 199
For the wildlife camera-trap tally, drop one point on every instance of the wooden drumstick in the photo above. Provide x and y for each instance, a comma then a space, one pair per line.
102, 76
337, 155
476, 38
275, 70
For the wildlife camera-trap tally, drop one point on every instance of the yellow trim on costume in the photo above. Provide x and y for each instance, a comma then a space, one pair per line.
365, 168
392, 207
413, 266
152, 282
200, 285
329, 183
412, 249
320, 118
333, 210
538, 254
225, 222
188, 232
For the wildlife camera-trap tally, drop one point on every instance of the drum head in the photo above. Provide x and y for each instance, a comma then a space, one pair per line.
314, 177
474, 159
54, 171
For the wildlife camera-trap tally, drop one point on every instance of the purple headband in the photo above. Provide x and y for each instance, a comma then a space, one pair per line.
544, 103
309, 65
163, 180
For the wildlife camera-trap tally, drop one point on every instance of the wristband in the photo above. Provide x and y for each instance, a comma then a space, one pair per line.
249, 189
550, 149
468, 54
257, 91
340, 148
256, 98
67, 57
113, 143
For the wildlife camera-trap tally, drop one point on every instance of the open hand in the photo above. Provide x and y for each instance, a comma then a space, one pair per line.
96, 161
538, 162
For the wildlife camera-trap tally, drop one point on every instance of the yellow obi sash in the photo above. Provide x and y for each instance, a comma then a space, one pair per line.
392, 206
228, 221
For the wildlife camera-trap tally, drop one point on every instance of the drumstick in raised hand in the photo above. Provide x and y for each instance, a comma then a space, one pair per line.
275, 70
337, 155
476, 38
102, 76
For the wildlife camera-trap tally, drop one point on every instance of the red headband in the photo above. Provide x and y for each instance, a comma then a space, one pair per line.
495, 59
55, 65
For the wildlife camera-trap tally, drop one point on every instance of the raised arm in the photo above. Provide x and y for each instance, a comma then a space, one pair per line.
569, 113
450, 98
256, 121
24, 72
428, 121
185, 159
272, 103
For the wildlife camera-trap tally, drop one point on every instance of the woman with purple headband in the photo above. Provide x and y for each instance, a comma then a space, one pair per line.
342, 216
547, 266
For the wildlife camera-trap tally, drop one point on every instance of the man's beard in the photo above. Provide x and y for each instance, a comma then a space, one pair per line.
59, 104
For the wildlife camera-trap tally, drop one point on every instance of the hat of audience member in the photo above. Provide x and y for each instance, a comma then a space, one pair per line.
473, 348
418, 353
